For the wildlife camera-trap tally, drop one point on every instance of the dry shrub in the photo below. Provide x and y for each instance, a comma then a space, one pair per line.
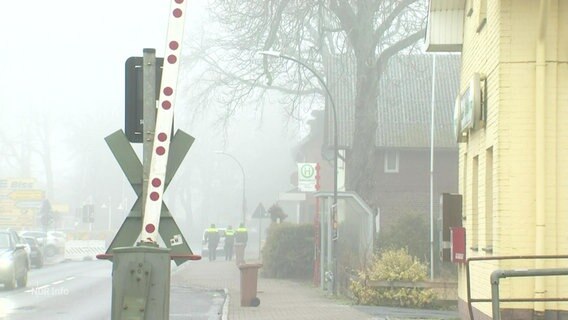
393, 265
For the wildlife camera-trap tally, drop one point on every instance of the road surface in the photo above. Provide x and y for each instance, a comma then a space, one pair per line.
82, 291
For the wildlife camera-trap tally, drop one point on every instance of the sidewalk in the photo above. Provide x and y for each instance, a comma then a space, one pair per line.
279, 299
285, 299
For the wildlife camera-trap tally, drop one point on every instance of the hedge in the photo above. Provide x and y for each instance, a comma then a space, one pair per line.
288, 251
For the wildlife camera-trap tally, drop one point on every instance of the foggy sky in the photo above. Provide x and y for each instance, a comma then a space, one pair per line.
62, 65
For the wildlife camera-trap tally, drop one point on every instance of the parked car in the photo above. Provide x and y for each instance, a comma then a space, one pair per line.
14, 260
220, 246
36, 254
53, 242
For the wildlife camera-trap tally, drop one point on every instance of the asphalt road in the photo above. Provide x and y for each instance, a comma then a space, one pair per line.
70, 290
82, 291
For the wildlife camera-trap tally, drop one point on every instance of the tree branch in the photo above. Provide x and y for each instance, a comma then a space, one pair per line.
344, 13
387, 23
273, 31
387, 53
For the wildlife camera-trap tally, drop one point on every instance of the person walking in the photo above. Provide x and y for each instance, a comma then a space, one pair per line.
241, 235
212, 238
229, 242
241, 238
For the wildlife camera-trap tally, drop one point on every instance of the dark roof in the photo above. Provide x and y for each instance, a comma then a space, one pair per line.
404, 101
341, 73
316, 124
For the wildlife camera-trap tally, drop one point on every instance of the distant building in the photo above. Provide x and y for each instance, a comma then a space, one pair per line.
404, 135
402, 141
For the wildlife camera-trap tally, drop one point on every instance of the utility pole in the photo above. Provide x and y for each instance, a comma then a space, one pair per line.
244, 199
334, 218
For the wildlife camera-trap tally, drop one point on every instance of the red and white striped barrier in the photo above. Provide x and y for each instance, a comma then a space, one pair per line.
79, 250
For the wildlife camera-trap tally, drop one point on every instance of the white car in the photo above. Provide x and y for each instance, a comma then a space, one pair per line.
52, 242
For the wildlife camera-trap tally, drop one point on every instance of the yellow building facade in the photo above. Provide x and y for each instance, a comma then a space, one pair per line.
514, 157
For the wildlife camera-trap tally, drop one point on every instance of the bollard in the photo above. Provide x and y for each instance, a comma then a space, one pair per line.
249, 281
239, 253
141, 283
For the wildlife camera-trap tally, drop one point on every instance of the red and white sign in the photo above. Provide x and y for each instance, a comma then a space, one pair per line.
308, 177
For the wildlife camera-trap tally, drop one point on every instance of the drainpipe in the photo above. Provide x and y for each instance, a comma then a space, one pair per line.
540, 105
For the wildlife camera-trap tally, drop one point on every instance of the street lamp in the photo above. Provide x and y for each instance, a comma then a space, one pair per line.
335, 143
243, 172
123, 206
109, 207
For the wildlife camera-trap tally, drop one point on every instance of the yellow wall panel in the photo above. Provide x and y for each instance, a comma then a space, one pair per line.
504, 51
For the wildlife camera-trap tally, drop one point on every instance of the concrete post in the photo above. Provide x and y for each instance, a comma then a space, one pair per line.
141, 283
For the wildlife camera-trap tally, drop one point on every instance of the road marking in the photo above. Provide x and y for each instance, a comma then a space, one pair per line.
36, 289
47, 285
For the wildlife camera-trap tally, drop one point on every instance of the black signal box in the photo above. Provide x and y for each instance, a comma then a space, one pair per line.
133, 97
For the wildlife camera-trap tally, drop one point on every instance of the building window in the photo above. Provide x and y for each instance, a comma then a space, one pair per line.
391, 161
469, 8
464, 189
474, 204
482, 15
489, 201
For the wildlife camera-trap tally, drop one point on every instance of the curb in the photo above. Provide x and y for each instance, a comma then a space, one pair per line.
225, 312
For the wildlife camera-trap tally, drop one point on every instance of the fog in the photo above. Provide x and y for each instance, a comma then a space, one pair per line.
328, 113
62, 92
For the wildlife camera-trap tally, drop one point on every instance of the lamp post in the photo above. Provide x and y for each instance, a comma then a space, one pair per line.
335, 145
244, 203
123, 206
109, 207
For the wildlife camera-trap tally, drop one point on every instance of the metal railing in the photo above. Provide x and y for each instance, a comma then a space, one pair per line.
498, 274
471, 300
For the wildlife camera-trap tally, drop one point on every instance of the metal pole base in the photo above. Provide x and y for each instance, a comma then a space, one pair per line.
140, 283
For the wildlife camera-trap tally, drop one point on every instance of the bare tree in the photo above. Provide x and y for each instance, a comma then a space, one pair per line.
16, 156
320, 33
34, 140
43, 150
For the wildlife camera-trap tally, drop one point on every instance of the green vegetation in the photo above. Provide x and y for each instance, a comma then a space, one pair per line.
288, 251
393, 265
412, 231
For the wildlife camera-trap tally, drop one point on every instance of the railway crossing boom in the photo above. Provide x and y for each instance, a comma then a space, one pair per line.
141, 268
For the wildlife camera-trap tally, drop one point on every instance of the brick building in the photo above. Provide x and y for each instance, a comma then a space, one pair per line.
404, 134
402, 142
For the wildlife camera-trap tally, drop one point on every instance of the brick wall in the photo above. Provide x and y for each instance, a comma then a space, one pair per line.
409, 188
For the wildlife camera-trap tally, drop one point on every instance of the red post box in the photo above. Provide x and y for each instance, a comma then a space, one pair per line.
458, 244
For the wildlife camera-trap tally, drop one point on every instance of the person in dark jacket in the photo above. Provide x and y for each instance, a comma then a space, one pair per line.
241, 238
229, 242
212, 238
241, 235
